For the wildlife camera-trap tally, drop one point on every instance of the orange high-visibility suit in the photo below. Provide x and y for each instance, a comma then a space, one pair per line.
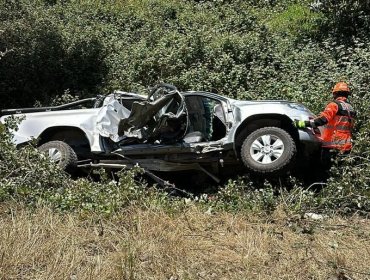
338, 120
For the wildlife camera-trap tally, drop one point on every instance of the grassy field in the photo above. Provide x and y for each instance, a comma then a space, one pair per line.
152, 244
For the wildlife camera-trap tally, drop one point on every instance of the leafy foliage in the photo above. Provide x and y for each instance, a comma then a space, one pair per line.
297, 19
289, 49
345, 18
41, 61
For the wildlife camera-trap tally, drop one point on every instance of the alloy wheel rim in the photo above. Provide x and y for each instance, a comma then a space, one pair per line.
55, 155
267, 148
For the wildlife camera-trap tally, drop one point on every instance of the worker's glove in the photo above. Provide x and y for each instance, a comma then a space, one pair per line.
299, 124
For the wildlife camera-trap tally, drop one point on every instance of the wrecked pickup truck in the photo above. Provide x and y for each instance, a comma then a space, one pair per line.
169, 130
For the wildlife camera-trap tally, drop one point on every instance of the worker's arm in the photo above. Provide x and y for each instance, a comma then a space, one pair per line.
323, 118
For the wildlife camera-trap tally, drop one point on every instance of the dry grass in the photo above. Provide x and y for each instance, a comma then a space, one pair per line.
151, 244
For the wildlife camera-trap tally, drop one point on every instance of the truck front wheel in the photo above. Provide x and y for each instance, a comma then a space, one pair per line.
268, 150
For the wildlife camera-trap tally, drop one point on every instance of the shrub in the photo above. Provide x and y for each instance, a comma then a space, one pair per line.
297, 20
345, 19
43, 58
287, 49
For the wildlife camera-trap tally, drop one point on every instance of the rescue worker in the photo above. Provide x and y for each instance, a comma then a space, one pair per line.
337, 120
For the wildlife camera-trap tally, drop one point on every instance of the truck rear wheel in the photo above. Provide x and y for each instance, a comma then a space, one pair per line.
60, 153
268, 150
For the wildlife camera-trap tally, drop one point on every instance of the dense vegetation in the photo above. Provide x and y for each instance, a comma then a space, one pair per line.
247, 49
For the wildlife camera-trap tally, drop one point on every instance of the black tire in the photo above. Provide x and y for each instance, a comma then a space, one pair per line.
62, 154
268, 150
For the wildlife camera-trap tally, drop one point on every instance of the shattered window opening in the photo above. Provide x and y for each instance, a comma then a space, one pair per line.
206, 116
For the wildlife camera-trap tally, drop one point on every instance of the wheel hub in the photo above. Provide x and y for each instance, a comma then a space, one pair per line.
267, 149
55, 155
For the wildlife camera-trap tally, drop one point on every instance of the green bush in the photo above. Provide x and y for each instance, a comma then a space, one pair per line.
297, 20
294, 50
345, 19
43, 58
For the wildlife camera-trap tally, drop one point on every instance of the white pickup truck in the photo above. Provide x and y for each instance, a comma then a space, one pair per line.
170, 130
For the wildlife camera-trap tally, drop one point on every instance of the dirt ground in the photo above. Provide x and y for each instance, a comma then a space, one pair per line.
193, 244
